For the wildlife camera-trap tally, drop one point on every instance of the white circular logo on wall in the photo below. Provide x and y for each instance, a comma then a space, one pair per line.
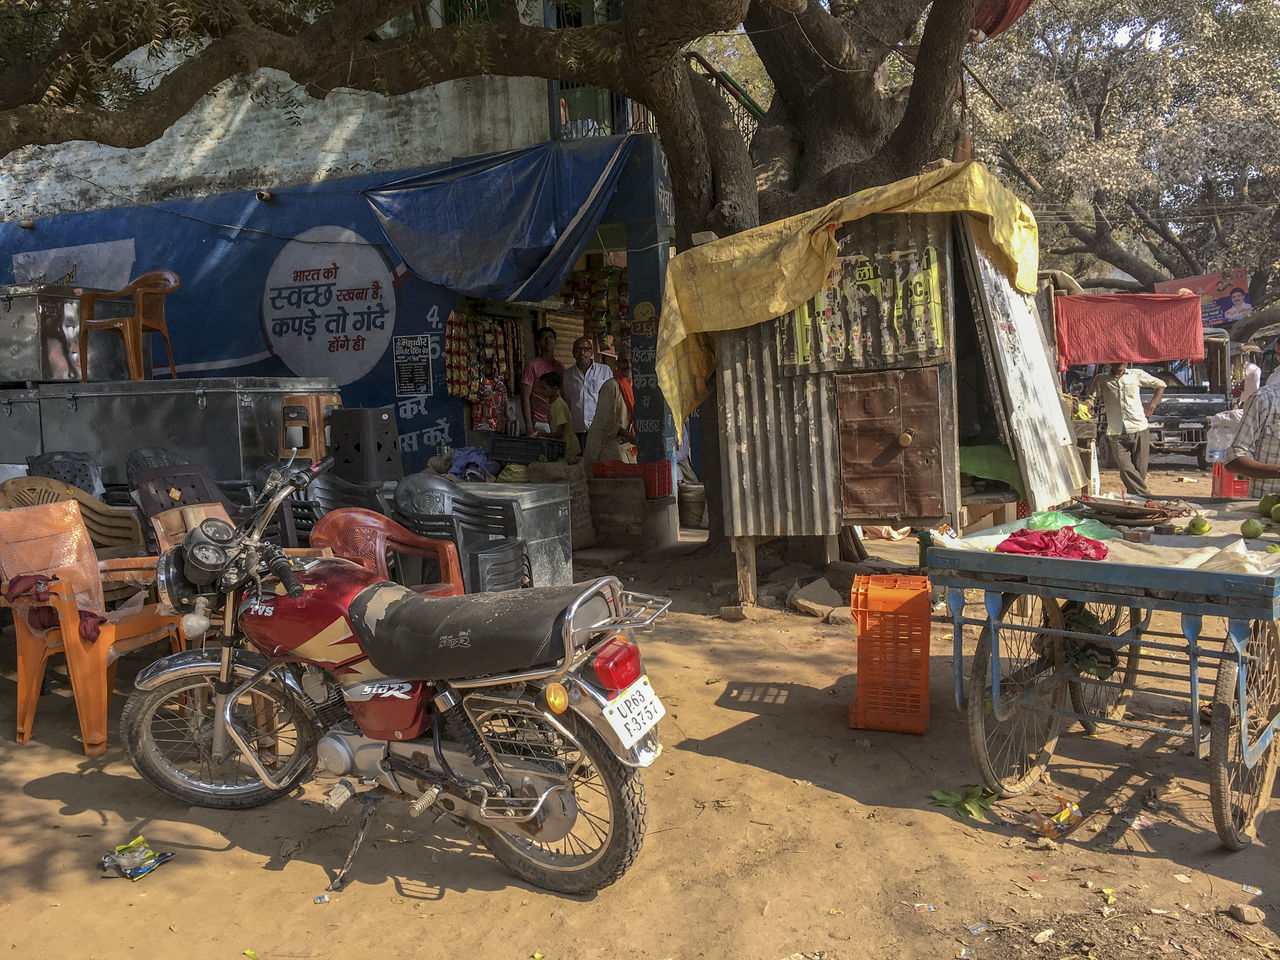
328, 307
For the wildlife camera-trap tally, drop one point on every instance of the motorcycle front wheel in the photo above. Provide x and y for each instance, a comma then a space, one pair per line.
611, 809
168, 734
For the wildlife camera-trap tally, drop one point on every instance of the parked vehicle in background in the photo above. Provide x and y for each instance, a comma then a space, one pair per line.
1180, 423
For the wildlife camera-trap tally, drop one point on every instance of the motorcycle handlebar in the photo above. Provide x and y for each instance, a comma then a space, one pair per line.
278, 564
304, 477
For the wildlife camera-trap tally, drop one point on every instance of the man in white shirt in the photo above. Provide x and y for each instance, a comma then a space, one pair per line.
581, 385
1128, 432
1271, 363
1252, 378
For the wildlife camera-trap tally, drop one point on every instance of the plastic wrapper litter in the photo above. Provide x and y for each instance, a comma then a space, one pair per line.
133, 860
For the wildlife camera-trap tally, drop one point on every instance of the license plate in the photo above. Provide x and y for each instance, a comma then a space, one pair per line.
634, 711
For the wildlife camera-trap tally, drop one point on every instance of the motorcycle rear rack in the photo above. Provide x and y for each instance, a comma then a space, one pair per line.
640, 612
637, 611
515, 809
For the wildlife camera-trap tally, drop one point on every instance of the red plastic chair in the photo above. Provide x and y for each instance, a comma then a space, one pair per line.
365, 537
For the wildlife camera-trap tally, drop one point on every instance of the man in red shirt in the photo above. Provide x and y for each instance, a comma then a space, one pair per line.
532, 404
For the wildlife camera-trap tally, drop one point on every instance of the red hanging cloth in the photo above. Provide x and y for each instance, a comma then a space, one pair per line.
1128, 328
994, 17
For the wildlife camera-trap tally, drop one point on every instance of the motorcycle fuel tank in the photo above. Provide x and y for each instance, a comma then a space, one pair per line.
313, 628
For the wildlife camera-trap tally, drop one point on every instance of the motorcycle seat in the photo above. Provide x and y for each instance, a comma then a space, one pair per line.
408, 636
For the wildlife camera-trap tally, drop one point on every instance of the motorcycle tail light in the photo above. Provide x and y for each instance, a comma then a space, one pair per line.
617, 664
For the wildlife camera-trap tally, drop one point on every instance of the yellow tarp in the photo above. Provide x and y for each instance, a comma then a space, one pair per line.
763, 273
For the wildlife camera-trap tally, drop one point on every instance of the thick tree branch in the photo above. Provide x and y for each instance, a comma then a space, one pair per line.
736, 201
1162, 256
927, 119
1190, 261
1113, 283
657, 76
325, 56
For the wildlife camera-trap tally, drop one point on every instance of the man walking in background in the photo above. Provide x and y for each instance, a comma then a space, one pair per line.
1128, 432
581, 385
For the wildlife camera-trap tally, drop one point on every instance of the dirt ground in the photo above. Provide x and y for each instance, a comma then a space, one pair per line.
774, 831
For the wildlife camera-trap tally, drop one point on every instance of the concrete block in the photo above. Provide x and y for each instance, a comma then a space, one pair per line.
739, 612
816, 599
660, 523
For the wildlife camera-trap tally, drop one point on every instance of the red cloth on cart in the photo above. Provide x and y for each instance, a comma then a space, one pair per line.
1064, 542
1128, 328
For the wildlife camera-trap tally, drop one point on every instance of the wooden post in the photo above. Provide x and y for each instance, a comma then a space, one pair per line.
744, 550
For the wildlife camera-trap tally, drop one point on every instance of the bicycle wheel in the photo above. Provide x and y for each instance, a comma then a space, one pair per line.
1107, 698
1240, 793
1012, 753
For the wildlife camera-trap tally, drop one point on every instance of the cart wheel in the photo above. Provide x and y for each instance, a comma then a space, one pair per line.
1240, 793
1011, 754
1108, 700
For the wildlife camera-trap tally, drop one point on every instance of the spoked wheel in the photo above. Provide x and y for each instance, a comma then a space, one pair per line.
1240, 793
1012, 753
593, 834
1097, 696
168, 734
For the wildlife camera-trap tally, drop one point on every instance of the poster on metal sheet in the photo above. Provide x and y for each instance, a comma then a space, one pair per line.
328, 304
1042, 441
873, 312
412, 358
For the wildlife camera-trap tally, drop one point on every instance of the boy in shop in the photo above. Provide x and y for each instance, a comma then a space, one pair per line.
559, 422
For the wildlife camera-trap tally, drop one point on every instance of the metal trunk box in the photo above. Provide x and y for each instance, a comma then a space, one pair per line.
230, 425
40, 330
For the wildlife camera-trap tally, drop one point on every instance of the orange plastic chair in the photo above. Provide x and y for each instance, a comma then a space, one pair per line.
148, 292
51, 540
171, 526
365, 537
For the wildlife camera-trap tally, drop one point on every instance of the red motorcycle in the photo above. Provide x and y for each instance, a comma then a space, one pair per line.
524, 715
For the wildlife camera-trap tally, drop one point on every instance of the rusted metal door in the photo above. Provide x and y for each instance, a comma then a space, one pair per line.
891, 461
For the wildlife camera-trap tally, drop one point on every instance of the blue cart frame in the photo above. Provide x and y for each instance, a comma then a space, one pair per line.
1250, 604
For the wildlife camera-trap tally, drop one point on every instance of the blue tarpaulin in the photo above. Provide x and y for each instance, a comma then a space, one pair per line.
506, 226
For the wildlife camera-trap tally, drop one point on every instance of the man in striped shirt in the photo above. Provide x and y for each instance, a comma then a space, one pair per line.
1255, 452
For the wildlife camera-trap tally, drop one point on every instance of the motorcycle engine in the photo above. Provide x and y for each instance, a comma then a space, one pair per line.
344, 751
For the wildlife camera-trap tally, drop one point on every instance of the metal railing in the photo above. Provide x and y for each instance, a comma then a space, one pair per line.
747, 114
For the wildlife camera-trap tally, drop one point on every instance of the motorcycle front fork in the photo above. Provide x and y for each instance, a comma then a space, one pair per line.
223, 686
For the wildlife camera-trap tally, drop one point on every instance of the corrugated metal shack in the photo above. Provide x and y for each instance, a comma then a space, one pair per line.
893, 395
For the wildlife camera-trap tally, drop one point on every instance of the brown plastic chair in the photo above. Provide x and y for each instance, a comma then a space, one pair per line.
171, 526
108, 526
148, 292
365, 537
310, 412
52, 540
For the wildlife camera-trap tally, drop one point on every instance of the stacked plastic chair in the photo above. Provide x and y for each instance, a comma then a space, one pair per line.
486, 530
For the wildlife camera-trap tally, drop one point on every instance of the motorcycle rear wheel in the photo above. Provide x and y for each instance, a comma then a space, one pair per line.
168, 734
612, 812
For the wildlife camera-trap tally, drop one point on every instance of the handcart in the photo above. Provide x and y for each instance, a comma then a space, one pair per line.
1071, 639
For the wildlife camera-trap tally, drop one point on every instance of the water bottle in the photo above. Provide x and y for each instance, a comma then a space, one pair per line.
1221, 433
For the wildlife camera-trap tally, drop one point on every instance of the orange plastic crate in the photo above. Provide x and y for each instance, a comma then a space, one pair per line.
1227, 484
893, 618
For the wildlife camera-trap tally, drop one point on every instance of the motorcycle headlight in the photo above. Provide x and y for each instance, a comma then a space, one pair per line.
172, 587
